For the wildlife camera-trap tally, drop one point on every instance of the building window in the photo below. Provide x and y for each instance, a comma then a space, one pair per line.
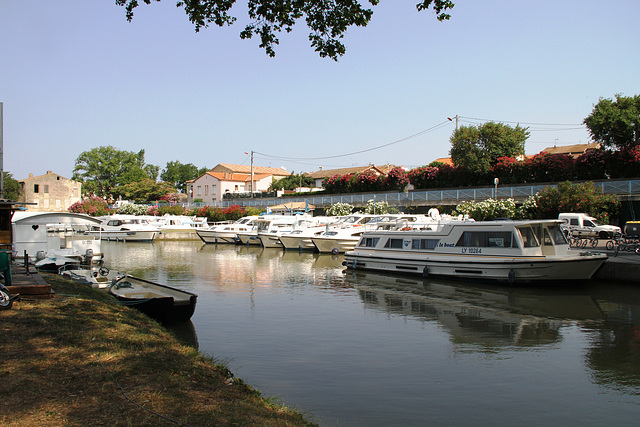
46, 189
206, 190
36, 188
199, 190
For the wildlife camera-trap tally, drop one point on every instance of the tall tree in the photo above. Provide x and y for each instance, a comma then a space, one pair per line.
616, 124
102, 169
177, 174
328, 20
478, 148
291, 182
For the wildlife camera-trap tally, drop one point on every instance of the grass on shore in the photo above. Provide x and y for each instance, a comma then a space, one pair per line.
81, 359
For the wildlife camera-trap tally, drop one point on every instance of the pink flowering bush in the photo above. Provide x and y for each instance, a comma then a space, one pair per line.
94, 206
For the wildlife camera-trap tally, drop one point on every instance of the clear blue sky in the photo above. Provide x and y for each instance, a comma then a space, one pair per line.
75, 75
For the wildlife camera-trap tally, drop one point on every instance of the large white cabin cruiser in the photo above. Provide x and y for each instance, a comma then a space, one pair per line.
226, 232
510, 251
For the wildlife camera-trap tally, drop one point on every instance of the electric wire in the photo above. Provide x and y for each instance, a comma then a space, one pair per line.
431, 129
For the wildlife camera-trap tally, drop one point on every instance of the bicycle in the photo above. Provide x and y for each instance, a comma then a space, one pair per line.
6, 300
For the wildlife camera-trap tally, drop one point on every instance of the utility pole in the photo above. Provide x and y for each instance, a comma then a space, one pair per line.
456, 117
251, 185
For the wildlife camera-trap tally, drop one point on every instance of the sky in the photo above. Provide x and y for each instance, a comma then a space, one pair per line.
75, 75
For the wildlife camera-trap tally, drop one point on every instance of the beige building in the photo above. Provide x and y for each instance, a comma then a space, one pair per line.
50, 192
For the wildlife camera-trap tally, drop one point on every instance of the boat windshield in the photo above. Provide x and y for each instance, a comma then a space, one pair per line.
529, 238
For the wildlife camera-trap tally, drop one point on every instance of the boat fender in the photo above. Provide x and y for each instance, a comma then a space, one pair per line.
354, 264
335, 251
425, 271
512, 276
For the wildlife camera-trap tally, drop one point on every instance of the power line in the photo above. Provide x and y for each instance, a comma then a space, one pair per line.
431, 129
524, 123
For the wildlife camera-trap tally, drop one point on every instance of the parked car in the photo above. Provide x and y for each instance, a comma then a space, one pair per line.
583, 225
632, 229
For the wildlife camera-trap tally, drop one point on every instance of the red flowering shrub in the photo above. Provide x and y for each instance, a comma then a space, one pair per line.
396, 180
545, 167
365, 181
509, 170
423, 177
94, 206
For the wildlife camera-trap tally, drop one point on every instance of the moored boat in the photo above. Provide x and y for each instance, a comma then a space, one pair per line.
97, 277
226, 232
125, 228
510, 251
166, 304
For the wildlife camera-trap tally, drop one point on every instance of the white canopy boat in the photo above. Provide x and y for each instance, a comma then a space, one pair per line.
343, 236
179, 227
271, 236
125, 228
226, 232
510, 251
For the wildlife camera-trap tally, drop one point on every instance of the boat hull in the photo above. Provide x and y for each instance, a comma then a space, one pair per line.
297, 243
126, 236
508, 269
208, 236
334, 246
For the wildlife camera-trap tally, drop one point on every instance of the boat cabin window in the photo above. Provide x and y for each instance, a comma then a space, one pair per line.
394, 244
114, 222
486, 239
529, 238
428, 244
369, 242
557, 235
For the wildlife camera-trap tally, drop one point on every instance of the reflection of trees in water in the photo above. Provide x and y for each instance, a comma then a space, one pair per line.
614, 358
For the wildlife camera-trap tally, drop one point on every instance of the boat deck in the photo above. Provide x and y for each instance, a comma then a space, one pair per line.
29, 284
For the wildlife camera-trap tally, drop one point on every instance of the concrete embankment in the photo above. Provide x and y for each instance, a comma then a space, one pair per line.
623, 267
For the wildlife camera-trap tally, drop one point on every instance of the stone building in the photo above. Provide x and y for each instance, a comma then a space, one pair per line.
50, 192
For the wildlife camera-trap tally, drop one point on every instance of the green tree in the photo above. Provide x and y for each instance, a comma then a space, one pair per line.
103, 169
478, 148
144, 190
616, 124
11, 190
291, 182
178, 174
328, 20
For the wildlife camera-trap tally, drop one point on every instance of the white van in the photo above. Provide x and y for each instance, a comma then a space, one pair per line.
583, 225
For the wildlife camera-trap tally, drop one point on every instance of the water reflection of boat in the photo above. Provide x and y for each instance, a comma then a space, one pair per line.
474, 314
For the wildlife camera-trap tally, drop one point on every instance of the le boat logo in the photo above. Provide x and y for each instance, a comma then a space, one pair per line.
406, 243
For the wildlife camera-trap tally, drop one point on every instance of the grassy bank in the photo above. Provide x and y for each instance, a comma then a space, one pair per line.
81, 359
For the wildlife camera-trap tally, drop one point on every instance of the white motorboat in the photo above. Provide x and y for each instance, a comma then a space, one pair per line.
509, 251
226, 232
269, 231
343, 236
300, 239
262, 223
97, 277
179, 227
125, 228
67, 244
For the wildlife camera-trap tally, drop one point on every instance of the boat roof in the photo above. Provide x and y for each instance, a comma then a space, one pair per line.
51, 217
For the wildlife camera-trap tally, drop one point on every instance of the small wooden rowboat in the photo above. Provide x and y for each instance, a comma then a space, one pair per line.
166, 304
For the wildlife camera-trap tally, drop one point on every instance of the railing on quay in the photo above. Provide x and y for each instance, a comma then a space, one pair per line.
445, 196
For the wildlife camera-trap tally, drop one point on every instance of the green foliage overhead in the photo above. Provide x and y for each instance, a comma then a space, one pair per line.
328, 20
103, 169
616, 124
178, 174
144, 190
478, 148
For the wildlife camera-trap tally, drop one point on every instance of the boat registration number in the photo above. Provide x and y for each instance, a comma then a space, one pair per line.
471, 250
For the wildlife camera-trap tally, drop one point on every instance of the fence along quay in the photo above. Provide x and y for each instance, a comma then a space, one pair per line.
626, 190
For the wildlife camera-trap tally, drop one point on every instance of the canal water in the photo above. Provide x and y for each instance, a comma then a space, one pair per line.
362, 349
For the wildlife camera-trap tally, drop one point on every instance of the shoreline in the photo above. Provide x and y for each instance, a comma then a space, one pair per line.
81, 359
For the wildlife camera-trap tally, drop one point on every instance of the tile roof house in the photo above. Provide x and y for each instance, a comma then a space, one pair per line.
211, 186
574, 151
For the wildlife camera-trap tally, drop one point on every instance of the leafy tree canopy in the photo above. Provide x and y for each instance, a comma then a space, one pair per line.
103, 169
178, 174
478, 148
328, 20
291, 182
144, 190
616, 124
